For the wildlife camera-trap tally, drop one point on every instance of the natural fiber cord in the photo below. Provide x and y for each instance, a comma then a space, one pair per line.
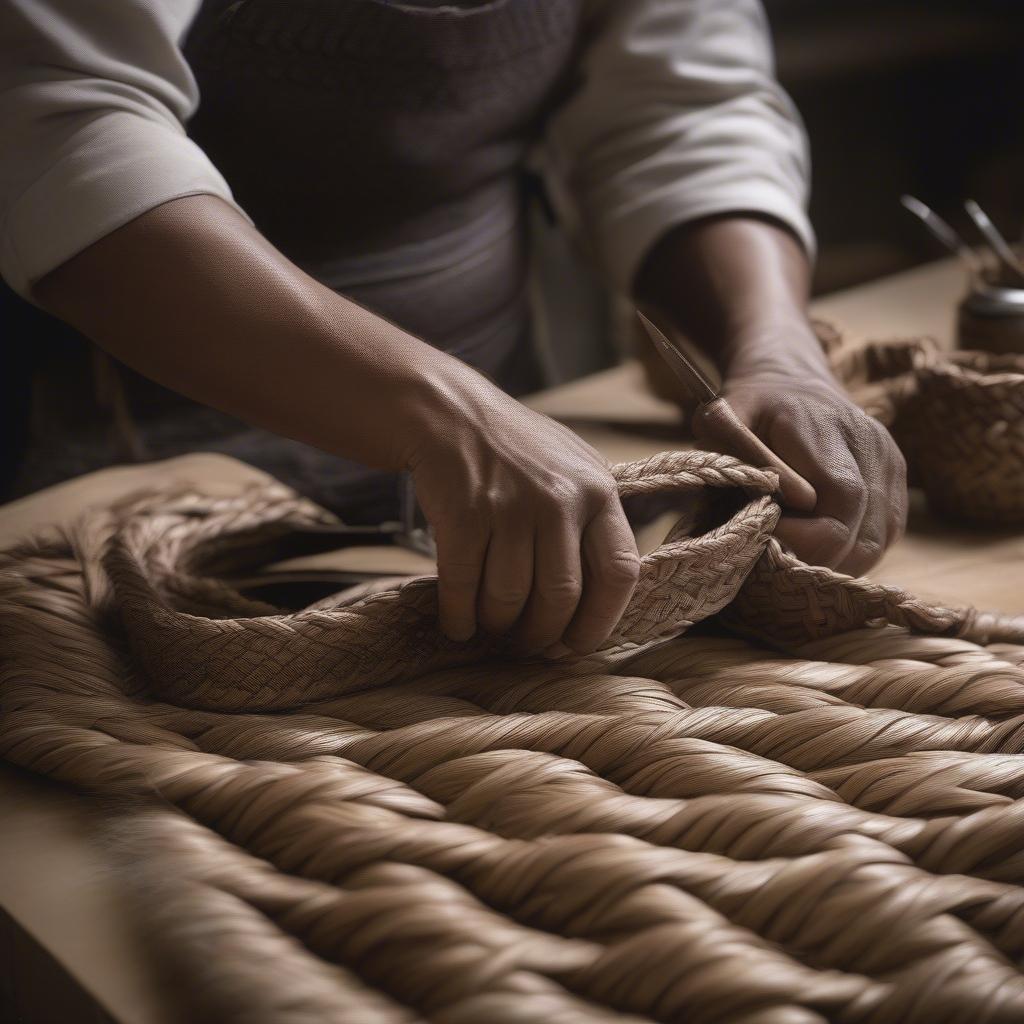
338, 816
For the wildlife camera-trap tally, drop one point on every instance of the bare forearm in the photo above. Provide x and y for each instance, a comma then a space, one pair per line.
192, 296
531, 536
738, 288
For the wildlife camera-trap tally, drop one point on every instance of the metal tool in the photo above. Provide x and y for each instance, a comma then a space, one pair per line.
1006, 257
716, 422
942, 232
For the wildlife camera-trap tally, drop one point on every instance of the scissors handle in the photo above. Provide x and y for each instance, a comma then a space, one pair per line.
717, 423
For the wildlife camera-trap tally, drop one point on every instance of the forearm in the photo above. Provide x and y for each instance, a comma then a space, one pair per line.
738, 288
530, 534
193, 297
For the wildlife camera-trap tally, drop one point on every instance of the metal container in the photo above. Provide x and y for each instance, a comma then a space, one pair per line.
991, 317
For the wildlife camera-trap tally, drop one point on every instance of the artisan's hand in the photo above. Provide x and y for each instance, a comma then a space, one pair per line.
737, 286
531, 536
850, 459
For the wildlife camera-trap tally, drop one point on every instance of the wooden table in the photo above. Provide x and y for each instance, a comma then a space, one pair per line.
65, 932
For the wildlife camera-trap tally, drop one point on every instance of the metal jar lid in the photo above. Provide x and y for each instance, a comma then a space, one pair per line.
989, 299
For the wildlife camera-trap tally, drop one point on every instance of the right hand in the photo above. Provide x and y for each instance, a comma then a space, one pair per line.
531, 537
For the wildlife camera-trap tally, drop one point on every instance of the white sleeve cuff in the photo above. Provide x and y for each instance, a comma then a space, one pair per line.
623, 237
677, 115
108, 173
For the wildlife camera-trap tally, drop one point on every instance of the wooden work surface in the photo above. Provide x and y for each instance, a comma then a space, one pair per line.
58, 894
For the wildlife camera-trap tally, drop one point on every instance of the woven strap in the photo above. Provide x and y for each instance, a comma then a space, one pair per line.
205, 645
787, 603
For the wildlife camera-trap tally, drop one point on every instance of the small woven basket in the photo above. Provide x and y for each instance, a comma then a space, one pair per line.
963, 434
958, 418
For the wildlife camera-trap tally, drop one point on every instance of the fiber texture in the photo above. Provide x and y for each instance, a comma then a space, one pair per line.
958, 418
339, 816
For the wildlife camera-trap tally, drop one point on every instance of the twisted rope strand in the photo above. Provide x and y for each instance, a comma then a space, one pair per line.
368, 824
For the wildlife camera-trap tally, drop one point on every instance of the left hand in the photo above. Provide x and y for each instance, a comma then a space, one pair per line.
737, 286
850, 459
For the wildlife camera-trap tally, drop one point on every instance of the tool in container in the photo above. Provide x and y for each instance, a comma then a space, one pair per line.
942, 232
1013, 272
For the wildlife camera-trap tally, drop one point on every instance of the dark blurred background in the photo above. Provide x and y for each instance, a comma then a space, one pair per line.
904, 96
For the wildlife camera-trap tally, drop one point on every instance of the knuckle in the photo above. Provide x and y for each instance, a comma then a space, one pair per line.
506, 596
899, 467
900, 504
898, 525
497, 503
836, 532
561, 586
458, 572
601, 488
561, 495
619, 568
896, 515
849, 486
870, 546
589, 491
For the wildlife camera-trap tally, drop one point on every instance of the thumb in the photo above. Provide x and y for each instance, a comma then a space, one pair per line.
811, 537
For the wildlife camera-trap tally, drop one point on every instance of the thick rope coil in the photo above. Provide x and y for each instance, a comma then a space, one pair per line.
696, 829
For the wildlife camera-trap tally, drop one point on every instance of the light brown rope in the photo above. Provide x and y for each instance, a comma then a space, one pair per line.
687, 829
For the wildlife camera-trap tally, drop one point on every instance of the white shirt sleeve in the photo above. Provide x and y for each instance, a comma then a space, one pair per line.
93, 99
676, 115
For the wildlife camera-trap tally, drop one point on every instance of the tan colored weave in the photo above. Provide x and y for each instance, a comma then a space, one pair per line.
958, 418
359, 822
964, 432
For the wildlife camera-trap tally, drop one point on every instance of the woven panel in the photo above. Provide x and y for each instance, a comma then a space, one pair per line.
964, 432
695, 829
958, 418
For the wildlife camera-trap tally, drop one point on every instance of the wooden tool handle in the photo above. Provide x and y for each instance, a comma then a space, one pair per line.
717, 423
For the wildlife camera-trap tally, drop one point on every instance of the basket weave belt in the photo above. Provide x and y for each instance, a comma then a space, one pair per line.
809, 809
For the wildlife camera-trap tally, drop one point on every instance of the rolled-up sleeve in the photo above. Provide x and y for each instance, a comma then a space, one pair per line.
94, 95
676, 115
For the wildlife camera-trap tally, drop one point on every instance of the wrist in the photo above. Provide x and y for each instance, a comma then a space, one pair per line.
783, 349
439, 398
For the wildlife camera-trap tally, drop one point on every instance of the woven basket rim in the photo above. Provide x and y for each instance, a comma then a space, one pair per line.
951, 370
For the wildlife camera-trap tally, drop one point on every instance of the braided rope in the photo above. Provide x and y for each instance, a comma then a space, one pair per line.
682, 471
694, 829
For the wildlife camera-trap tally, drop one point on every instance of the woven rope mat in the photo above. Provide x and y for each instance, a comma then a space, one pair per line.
335, 815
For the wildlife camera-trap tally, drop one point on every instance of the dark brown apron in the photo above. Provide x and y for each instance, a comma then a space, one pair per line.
381, 147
